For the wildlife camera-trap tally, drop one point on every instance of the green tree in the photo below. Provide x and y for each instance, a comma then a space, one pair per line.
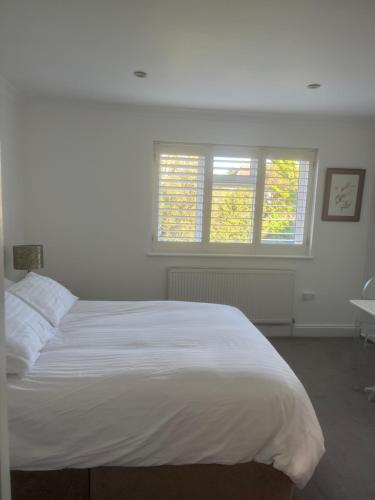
232, 215
180, 203
280, 199
180, 199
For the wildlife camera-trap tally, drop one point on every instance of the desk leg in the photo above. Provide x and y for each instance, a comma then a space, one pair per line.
359, 347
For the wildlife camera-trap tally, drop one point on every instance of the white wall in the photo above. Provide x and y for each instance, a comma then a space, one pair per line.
4, 441
87, 198
11, 228
10, 175
370, 260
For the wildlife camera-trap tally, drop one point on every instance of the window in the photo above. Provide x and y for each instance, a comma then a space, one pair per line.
232, 200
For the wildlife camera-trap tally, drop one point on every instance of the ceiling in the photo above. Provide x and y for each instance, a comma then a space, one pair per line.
248, 55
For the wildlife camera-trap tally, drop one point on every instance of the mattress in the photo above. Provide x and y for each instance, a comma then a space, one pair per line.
155, 383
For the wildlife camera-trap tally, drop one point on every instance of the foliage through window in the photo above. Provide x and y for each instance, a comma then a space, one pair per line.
240, 200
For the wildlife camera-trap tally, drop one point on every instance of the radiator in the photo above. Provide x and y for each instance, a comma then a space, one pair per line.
265, 296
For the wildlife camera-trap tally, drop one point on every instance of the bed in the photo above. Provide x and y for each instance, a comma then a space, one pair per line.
131, 398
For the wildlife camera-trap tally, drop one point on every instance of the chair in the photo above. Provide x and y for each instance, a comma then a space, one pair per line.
365, 341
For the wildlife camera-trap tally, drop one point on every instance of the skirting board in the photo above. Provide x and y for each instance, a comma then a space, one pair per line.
330, 330
275, 330
310, 330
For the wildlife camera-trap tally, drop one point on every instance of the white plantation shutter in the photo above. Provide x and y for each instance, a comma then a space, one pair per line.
180, 200
284, 201
233, 199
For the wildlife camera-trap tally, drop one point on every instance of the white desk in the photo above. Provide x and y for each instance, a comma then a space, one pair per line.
367, 306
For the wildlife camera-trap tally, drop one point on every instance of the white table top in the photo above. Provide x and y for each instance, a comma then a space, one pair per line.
365, 305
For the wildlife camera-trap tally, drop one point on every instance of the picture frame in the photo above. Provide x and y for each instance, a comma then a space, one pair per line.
343, 194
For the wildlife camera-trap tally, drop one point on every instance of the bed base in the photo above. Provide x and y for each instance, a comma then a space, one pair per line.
250, 481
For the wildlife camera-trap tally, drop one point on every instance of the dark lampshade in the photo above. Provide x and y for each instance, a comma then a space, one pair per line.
28, 257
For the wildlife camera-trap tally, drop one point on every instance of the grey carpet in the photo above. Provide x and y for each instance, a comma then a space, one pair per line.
325, 367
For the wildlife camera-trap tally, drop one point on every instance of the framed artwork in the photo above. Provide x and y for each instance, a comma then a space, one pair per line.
343, 194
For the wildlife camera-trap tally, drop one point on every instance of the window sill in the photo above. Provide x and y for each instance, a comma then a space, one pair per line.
230, 255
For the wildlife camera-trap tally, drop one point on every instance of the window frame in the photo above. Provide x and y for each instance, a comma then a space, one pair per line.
256, 248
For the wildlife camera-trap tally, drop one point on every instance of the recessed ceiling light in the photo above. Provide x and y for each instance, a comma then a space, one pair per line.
140, 74
314, 86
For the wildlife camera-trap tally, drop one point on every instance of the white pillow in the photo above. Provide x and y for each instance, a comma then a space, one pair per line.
7, 283
45, 295
26, 333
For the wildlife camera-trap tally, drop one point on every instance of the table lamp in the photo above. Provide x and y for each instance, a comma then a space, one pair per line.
28, 257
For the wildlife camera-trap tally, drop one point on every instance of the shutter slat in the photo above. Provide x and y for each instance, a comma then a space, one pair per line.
284, 202
180, 208
233, 200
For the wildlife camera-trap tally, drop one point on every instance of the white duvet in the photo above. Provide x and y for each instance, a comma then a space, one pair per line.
153, 383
